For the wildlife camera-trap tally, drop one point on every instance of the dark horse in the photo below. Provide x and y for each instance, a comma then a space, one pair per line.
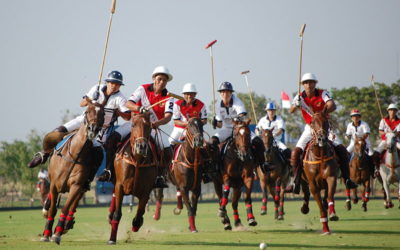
361, 171
70, 169
276, 177
135, 172
320, 171
186, 170
43, 188
238, 171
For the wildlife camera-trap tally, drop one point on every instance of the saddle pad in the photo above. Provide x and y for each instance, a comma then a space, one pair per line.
61, 144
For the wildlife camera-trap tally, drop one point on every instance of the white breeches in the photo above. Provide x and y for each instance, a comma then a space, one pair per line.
176, 135
304, 138
350, 148
281, 145
382, 146
223, 134
74, 123
160, 138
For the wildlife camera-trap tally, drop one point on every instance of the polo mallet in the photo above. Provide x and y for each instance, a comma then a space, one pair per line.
112, 11
171, 95
209, 46
376, 96
303, 27
244, 73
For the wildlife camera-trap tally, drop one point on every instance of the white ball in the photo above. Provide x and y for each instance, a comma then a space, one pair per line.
263, 245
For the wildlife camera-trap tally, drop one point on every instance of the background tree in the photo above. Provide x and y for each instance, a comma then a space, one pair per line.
259, 104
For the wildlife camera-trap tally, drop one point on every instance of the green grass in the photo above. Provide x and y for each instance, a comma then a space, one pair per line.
378, 228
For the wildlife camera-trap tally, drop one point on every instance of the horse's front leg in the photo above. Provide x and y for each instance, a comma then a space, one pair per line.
264, 192
186, 201
305, 209
355, 195
366, 192
316, 192
159, 196
118, 192
331, 181
348, 199
235, 201
195, 198
52, 210
388, 200
137, 222
70, 220
74, 193
281, 201
278, 198
248, 183
223, 202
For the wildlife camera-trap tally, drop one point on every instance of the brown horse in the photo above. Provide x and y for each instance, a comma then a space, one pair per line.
361, 171
186, 170
70, 169
320, 171
276, 177
238, 171
135, 172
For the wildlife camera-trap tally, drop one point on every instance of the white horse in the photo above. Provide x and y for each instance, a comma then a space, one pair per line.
390, 167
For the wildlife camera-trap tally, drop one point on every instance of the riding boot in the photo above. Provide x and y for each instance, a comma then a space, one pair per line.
49, 143
208, 167
95, 162
110, 146
376, 158
295, 162
217, 160
344, 160
162, 169
370, 163
258, 150
286, 155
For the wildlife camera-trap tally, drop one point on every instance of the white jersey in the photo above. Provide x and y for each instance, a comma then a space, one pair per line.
359, 130
116, 101
276, 124
183, 112
226, 114
383, 126
144, 96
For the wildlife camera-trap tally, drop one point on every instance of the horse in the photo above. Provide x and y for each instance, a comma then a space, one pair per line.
70, 169
320, 171
238, 165
390, 167
135, 172
43, 187
186, 169
361, 172
276, 177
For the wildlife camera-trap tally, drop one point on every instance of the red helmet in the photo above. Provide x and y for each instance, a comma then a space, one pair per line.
355, 112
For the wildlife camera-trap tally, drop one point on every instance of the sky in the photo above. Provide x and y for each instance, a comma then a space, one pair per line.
52, 50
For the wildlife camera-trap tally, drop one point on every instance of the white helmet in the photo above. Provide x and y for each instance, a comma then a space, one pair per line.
189, 88
162, 70
392, 106
308, 77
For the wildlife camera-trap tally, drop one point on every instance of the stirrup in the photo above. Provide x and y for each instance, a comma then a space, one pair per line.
105, 176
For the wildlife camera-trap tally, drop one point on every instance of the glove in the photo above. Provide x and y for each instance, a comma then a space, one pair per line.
297, 102
214, 123
96, 95
143, 110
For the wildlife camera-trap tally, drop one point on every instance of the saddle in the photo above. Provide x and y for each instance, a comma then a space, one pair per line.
64, 141
128, 157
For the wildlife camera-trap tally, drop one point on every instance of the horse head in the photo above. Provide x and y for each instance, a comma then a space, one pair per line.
140, 134
359, 146
194, 132
320, 128
391, 140
267, 137
242, 137
94, 119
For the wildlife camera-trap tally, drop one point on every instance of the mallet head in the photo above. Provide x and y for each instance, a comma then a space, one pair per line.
211, 44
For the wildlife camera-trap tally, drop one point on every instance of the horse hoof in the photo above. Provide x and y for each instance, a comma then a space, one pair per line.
227, 227
280, 217
252, 222
135, 229
194, 231
326, 233
355, 201
348, 205
45, 213
305, 209
263, 212
177, 211
156, 217
56, 239
333, 217
221, 212
391, 205
111, 242
45, 239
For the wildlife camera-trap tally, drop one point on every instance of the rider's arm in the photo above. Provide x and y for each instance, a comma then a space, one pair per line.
132, 106
164, 120
330, 106
278, 132
125, 115
204, 121
181, 123
365, 136
84, 102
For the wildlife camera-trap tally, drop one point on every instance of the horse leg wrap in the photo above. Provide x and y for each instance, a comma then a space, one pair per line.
281, 208
249, 210
325, 227
60, 224
48, 227
331, 207
70, 221
366, 196
179, 200
114, 230
235, 215
264, 204
111, 209
278, 190
225, 194
137, 222
192, 224
157, 213
348, 193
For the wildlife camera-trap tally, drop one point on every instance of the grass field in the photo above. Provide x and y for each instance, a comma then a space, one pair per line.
378, 228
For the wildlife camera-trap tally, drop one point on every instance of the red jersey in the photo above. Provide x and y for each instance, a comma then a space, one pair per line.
183, 111
314, 104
